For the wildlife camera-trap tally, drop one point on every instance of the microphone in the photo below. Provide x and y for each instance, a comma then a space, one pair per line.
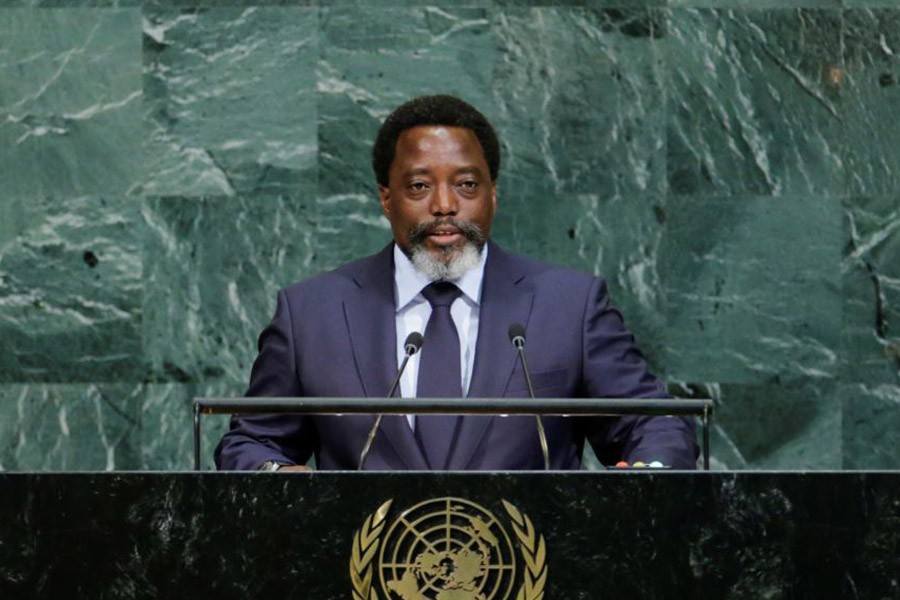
412, 345
517, 337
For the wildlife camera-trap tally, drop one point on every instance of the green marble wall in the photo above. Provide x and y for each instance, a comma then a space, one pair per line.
732, 167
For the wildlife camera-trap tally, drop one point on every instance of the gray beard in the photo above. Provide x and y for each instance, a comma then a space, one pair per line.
450, 266
447, 263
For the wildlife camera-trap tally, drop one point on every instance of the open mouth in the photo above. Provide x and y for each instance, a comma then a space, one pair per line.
444, 234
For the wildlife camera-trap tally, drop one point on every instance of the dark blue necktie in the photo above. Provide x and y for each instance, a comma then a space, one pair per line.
440, 375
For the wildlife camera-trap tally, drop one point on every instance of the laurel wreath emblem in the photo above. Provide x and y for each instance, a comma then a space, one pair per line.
534, 552
365, 547
366, 542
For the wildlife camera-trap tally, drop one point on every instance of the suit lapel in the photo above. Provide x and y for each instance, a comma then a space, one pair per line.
502, 304
372, 329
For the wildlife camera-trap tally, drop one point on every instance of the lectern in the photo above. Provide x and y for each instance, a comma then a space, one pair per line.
450, 535
499, 536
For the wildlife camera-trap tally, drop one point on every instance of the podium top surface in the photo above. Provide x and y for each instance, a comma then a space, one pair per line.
515, 406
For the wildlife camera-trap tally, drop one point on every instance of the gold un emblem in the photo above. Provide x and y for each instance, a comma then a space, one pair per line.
447, 549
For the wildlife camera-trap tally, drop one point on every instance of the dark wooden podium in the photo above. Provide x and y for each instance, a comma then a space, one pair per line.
607, 534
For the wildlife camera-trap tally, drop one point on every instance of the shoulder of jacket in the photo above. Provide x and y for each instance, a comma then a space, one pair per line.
343, 277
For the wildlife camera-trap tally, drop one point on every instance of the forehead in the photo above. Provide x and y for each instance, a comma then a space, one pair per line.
434, 145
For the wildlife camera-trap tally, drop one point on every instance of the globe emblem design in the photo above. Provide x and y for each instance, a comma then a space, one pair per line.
447, 549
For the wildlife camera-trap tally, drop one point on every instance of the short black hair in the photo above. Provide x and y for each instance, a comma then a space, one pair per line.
445, 110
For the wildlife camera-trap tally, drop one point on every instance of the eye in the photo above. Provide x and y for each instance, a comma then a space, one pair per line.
469, 184
418, 186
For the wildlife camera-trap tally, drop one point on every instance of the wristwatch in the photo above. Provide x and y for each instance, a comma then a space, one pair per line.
270, 465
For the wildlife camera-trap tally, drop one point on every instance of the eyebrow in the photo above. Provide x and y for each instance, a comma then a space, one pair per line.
473, 170
423, 171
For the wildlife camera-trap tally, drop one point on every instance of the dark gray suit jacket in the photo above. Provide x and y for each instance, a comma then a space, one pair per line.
334, 335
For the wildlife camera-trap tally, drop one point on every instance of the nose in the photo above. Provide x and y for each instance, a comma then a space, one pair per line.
444, 201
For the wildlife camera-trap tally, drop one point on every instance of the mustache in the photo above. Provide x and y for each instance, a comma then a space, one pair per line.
471, 231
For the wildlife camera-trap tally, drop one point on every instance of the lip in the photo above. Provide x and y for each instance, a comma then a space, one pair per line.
445, 236
444, 229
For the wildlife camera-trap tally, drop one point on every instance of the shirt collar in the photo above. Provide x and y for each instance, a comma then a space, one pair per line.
409, 281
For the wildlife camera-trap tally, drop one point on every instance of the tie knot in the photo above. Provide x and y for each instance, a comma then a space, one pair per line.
441, 293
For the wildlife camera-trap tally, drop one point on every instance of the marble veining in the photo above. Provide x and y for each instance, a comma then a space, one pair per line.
729, 167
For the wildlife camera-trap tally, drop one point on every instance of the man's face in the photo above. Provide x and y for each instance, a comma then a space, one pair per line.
438, 185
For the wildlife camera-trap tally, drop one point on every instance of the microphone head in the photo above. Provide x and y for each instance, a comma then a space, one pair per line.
517, 335
413, 342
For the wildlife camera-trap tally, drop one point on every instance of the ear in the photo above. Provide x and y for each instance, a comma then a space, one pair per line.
384, 198
494, 197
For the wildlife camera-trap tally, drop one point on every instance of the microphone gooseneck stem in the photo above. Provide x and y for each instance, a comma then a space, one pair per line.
369, 440
542, 435
410, 350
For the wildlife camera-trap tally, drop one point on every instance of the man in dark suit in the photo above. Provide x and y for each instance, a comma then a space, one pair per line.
436, 160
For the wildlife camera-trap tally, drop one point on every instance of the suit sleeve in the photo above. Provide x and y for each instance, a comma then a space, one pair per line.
254, 439
615, 368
